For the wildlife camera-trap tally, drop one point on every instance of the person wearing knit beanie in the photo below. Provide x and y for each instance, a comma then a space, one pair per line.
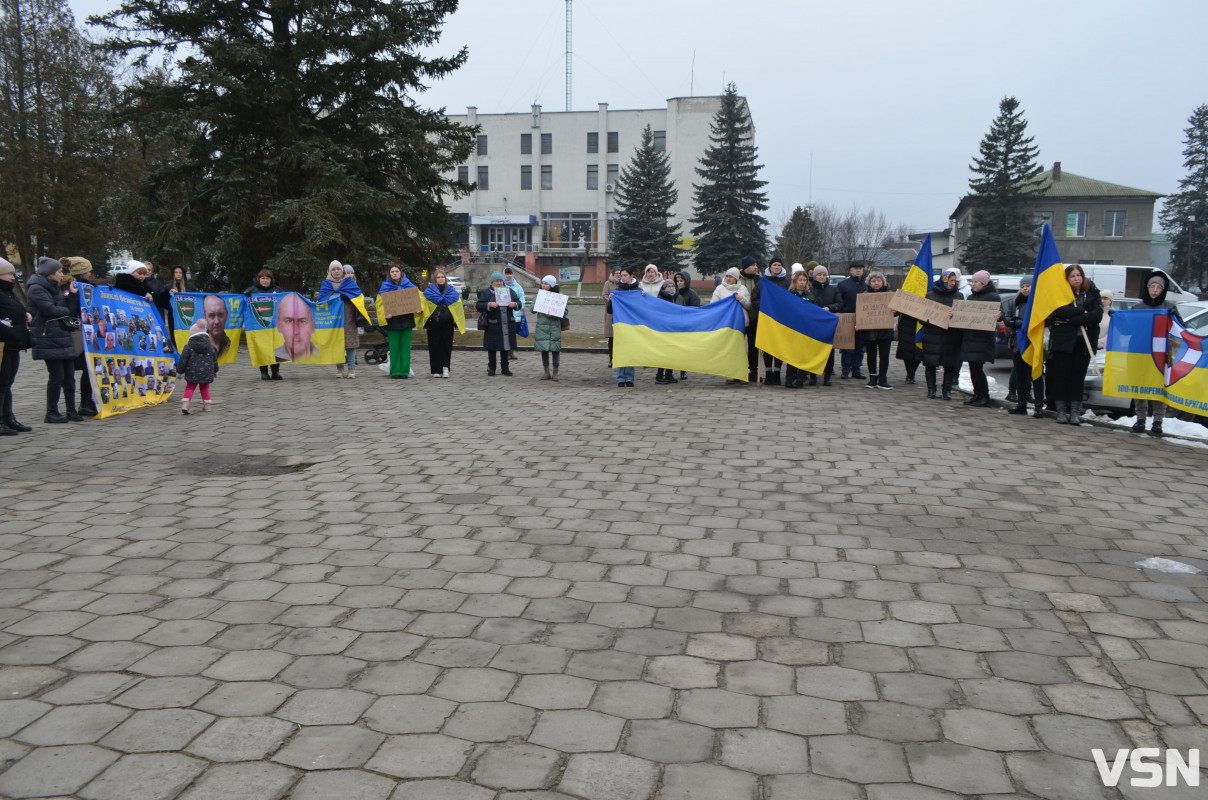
48, 266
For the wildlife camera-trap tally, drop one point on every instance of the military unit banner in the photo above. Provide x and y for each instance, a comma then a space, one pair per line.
129, 360
1152, 356
223, 315
288, 327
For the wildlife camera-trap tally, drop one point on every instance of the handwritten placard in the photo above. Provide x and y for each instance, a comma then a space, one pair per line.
920, 308
401, 301
974, 315
873, 311
551, 303
845, 334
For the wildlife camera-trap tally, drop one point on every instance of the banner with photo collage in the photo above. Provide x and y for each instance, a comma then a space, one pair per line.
129, 360
223, 315
286, 327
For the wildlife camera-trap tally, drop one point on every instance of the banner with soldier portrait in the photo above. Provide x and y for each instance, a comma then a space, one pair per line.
223, 316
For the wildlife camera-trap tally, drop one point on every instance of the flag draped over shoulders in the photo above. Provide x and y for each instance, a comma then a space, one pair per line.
433, 296
1050, 291
349, 289
793, 329
649, 332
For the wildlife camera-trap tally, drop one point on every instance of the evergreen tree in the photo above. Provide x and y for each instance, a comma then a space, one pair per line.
727, 223
800, 240
1003, 237
645, 194
56, 145
296, 135
1185, 215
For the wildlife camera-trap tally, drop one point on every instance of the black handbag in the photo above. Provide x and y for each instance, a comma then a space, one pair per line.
482, 322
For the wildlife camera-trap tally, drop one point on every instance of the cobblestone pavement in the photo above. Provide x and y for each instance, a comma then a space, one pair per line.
482, 589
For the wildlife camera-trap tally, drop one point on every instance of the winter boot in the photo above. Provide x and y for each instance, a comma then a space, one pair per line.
1075, 413
826, 380
1139, 425
264, 376
946, 387
1038, 413
980, 401
883, 381
339, 370
872, 382
6, 431
930, 385
1021, 407
351, 374
184, 405
1013, 396
553, 376
205, 405
775, 377
813, 379
669, 378
545, 377
1063, 412
53, 416
6, 413
276, 372
1156, 429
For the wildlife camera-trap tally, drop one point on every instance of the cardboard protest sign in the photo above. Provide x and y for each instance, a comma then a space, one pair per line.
920, 308
873, 311
973, 315
401, 301
845, 333
551, 303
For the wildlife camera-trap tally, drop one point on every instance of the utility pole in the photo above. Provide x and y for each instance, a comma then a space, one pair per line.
568, 52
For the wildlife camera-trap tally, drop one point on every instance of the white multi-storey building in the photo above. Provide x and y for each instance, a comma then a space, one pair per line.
545, 180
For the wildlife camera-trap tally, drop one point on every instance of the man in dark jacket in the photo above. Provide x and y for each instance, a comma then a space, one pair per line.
14, 334
849, 289
1012, 319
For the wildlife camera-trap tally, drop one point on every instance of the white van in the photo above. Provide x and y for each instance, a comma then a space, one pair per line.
1125, 280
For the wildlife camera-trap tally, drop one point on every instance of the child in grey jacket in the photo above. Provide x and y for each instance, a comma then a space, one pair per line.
198, 365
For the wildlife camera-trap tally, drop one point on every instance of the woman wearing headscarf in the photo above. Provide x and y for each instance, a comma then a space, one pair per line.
942, 347
547, 339
399, 326
340, 280
823, 295
14, 335
263, 284
440, 324
652, 281
500, 336
51, 337
1152, 296
977, 347
1075, 327
731, 286
625, 283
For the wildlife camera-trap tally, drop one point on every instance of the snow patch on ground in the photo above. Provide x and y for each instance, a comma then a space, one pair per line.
1166, 565
965, 383
1181, 428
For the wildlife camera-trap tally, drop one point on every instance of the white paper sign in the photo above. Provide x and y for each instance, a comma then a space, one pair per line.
552, 303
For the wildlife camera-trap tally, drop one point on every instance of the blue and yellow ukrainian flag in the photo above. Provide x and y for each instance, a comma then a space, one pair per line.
794, 330
1050, 291
918, 282
649, 332
1152, 356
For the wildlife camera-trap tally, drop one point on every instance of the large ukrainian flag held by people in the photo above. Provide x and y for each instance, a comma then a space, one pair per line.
1152, 356
649, 332
918, 282
1050, 291
794, 330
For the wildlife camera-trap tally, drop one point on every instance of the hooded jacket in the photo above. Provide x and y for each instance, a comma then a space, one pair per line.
198, 360
126, 282
14, 336
686, 296
50, 331
1160, 301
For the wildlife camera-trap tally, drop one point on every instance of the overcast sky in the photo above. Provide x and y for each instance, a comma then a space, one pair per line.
890, 98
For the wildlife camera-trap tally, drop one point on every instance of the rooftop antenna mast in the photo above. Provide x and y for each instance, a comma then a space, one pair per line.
568, 51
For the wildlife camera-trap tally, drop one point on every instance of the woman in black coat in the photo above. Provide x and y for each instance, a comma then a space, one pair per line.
163, 298
878, 341
14, 335
500, 335
910, 354
823, 295
977, 347
264, 284
1074, 333
51, 337
942, 348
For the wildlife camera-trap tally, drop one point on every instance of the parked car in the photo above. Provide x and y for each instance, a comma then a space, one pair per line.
458, 284
1195, 316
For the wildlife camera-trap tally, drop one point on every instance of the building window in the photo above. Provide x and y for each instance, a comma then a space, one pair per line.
1113, 223
1075, 224
614, 142
547, 144
463, 174
593, 142
562, 230
526, 177
1040, 219
614, 172
526, 144
660, 140
593, 176
547, 176
484, 181
482, 145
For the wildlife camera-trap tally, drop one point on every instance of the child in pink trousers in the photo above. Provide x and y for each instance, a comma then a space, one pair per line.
198, 365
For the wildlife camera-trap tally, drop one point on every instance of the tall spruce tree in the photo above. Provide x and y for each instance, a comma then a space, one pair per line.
645, 194
727, 223
298, 136
1003, 237
800, 240
1185, 215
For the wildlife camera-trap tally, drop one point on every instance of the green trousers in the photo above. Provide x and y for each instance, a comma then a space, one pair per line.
400, 351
